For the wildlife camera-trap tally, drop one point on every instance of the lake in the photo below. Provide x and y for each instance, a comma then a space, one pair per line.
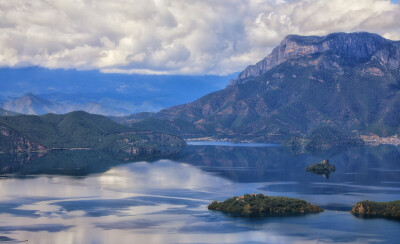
99, 197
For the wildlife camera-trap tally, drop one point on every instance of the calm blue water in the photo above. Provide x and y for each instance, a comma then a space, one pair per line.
89, 197
229, 144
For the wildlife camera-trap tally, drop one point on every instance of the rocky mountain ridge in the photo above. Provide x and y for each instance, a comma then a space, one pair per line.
359, 46
37, 105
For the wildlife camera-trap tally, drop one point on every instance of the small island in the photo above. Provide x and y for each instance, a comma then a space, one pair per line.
258, 205
322, 168
377, 209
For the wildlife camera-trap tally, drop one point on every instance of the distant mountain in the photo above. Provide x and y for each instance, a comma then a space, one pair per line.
34, 105
59, 104
96, 108
129, 93
31, 133
6, 113
346, 81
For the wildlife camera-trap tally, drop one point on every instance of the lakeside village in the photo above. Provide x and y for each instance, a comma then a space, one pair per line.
376, 140
372, 140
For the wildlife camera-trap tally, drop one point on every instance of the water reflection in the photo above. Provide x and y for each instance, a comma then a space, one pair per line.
73, 163
253, 164
91, 197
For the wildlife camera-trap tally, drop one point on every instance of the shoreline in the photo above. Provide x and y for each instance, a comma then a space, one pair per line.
368, 140
70, 149
377, 140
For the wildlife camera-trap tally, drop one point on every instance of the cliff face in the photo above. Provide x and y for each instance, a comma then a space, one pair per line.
350, 82
358, 46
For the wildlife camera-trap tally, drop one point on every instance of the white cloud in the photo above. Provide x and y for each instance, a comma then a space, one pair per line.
173, 36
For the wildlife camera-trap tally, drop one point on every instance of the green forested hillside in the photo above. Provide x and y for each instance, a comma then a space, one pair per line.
377, 209
77, 130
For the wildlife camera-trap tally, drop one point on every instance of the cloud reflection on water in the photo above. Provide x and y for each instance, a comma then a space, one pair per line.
165, 201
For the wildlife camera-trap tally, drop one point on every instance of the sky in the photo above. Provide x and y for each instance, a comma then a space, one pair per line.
187, 37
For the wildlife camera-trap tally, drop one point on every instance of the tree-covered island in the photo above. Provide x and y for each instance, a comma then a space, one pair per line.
377, 209
262, 205
322, 168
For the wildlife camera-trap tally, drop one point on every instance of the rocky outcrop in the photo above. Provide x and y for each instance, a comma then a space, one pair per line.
359, 46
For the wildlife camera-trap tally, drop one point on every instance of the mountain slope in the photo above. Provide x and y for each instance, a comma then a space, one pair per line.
345, 81
33, 105
6, 113
357, 46
42, 104
79, 130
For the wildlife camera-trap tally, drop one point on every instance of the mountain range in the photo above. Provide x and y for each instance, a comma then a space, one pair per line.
104, 93
59, 104
349, 82
33, 105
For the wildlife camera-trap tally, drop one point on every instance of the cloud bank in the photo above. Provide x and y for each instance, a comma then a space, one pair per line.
173, 36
